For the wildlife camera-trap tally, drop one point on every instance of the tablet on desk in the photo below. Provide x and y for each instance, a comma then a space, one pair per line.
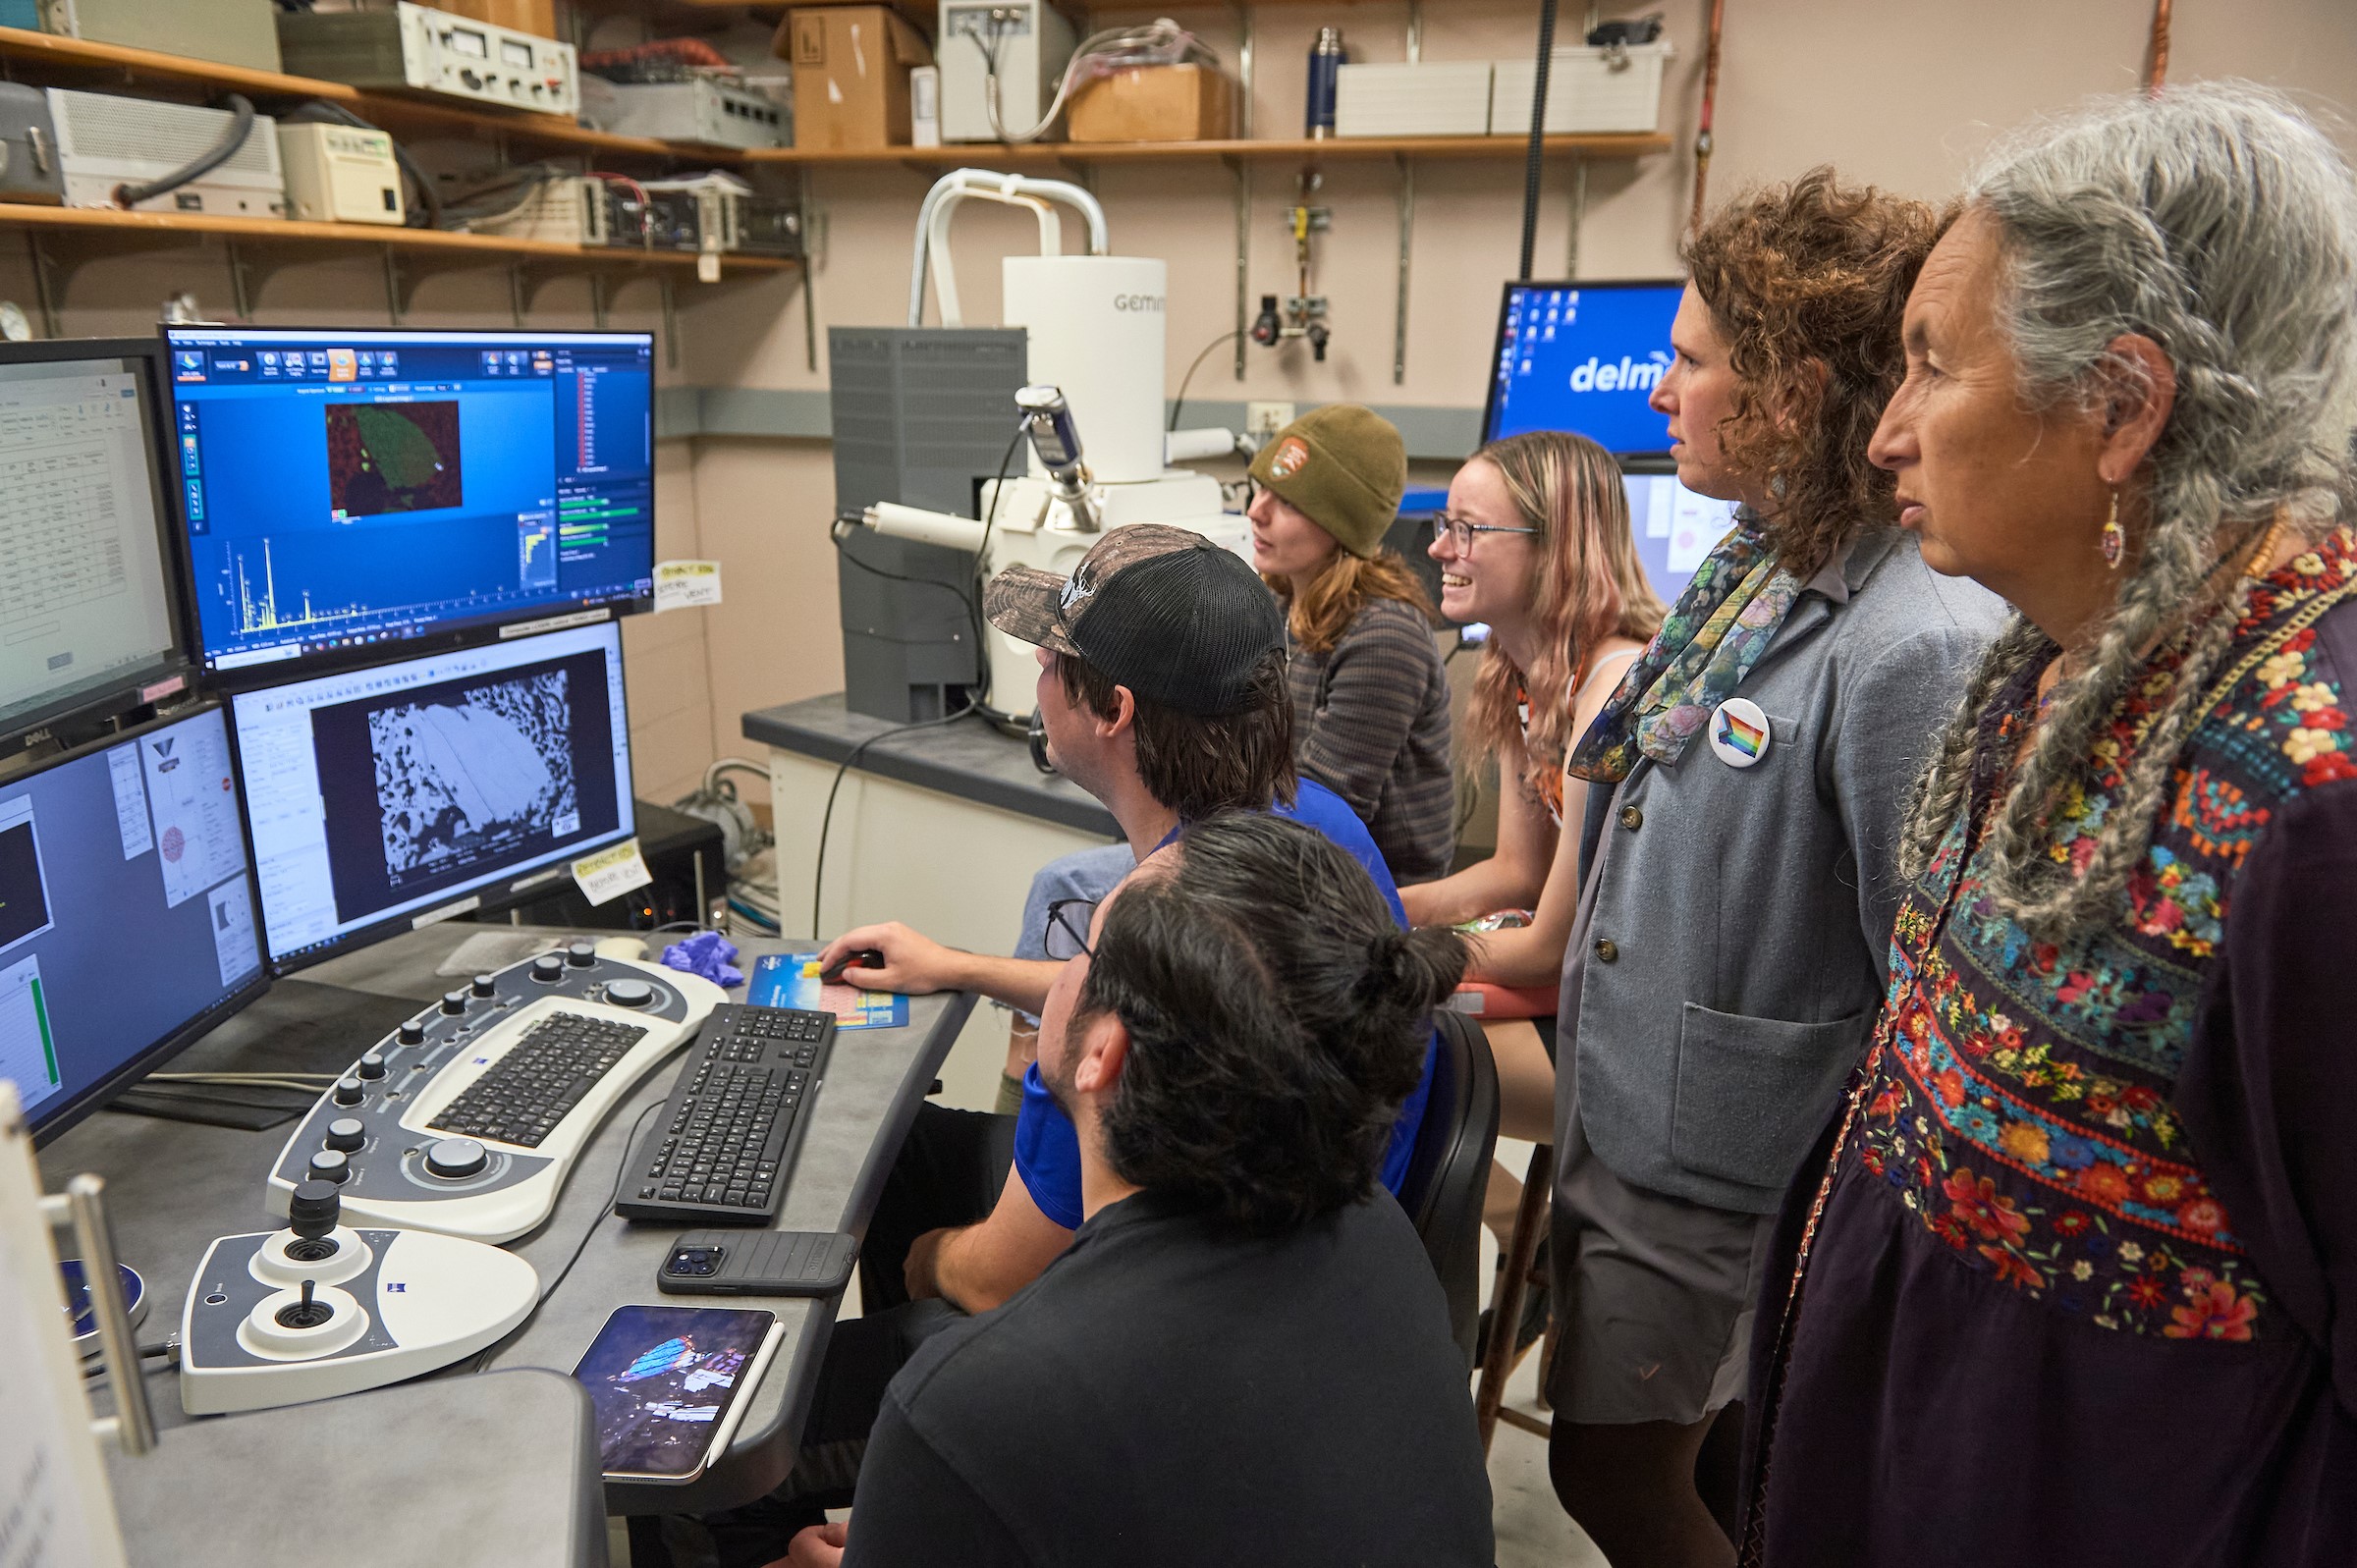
669, 1386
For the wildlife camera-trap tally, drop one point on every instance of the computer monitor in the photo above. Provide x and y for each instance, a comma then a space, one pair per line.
1584, 358
88, 623
127, 913
1675, 528
344, 490
390, 796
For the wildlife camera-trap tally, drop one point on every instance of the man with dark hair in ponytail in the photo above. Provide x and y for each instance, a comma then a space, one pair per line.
1162, 692
1188, 1384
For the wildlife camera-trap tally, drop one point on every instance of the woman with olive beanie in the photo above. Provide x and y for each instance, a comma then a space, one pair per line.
1370, 698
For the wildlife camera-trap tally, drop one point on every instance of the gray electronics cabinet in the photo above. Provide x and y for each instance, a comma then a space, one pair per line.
922, 416
229, 32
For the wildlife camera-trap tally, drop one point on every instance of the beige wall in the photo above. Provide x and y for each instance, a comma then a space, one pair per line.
1900, 91
1903, 93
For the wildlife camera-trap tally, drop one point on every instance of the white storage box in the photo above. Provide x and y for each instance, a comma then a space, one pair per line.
1442, 98
1588, 90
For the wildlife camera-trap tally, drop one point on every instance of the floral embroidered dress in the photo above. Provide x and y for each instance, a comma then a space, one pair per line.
2081, 1284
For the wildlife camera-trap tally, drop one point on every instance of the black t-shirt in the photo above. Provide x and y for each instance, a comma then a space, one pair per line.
1172, 1392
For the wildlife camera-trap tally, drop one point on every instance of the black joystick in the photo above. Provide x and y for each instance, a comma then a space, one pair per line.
315, 1209
349, 1091
312, 1213
372, 1064
346, 1133
454, 1003
548, 968
581, 954
486, 985
629, 992
456, 1158
307, 1313
411, 1032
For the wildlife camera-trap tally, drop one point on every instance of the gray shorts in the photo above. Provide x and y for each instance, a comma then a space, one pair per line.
1654, 1293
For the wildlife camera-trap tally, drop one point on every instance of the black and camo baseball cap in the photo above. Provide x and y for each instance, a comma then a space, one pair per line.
1163, 610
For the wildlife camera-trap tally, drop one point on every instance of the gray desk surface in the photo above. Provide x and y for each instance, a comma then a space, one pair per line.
968, 758
498, 1469
172, 1187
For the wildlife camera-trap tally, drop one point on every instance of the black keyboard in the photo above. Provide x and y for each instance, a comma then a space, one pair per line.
525, 1094
729, 1132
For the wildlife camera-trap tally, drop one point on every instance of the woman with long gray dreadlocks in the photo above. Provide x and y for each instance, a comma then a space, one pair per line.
2080, 1282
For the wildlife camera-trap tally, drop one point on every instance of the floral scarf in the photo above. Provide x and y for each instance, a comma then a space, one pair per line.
1708, 643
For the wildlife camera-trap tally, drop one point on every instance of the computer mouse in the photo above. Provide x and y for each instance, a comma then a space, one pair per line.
856, 959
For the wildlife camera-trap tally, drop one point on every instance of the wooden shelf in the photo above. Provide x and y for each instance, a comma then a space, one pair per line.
1340, 149
76, 62
456, 248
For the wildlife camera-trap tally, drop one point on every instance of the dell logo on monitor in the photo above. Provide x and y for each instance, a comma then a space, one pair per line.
1629, 375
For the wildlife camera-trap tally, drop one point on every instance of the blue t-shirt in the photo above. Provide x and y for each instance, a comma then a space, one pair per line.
1047, 1146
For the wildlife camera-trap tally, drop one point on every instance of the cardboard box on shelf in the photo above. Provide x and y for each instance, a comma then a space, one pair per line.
920, 13
851, 74
1154, 103
535, 17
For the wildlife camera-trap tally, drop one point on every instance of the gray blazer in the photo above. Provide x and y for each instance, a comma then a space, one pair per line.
1730, 953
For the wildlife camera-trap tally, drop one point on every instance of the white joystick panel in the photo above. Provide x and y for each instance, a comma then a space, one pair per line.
417, 1300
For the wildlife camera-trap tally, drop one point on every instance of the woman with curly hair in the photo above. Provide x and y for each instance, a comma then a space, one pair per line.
2080, 1282
1747, 781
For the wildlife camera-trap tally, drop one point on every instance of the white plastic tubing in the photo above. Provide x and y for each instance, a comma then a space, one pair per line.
1016, 190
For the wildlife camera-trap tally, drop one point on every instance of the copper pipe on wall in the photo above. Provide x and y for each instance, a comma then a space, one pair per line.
2158, 70
1710, 105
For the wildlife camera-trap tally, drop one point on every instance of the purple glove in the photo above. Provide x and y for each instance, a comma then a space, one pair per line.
706, 953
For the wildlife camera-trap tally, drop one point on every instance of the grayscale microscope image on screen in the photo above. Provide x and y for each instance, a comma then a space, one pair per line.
473, 773
382, 792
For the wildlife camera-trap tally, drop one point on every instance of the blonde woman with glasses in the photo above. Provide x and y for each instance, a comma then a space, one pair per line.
1535, 545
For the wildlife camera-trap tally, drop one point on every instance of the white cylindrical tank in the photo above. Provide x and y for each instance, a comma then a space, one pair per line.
1096, 330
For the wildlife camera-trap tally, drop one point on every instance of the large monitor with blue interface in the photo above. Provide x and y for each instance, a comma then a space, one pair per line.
344, 490
128, 925
89, 625
1583, 358
393, 796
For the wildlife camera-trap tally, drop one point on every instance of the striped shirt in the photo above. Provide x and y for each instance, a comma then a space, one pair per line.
1371, 723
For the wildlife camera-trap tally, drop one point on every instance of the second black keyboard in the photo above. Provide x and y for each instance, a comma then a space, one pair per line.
726, 1137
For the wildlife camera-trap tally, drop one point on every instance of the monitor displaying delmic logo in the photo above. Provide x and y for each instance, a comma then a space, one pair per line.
384, 796
353, 488
1583, 358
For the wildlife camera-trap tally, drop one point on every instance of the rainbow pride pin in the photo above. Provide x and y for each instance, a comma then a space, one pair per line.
1739, 732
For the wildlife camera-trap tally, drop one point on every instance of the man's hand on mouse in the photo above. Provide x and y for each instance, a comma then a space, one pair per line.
913, 963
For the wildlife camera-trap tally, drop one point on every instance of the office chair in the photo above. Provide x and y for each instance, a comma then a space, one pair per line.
1449, 1171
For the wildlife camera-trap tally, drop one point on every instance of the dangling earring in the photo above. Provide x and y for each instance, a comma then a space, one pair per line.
2113, 540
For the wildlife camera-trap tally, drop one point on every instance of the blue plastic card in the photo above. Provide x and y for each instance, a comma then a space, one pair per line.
790, 980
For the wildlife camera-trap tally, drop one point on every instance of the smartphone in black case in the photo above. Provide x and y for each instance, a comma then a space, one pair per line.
759, 1263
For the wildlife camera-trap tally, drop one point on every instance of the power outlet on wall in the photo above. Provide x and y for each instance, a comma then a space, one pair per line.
1262, 420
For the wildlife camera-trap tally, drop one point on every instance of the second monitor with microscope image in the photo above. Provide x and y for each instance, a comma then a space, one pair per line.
387, 796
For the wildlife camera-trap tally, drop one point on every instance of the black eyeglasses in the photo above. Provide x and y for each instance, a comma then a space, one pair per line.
1459, 533
1068, 929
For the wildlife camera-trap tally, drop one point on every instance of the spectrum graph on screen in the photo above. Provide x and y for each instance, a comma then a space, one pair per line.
349, 488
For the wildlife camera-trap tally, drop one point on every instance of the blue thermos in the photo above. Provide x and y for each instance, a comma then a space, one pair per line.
1325, 67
